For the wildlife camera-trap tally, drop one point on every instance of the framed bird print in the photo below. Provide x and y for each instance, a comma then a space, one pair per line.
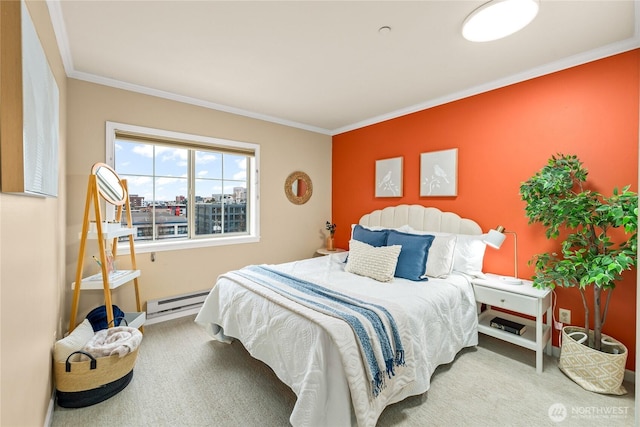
389, 177
439, 173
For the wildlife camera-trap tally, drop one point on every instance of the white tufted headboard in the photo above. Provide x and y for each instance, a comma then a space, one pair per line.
420, 218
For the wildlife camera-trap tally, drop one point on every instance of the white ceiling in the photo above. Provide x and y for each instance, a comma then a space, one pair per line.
323, 65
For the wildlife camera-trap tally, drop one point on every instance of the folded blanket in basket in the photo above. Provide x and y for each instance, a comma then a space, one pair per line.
120, 340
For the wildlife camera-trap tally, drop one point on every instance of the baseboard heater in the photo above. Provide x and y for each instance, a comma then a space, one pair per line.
173, 307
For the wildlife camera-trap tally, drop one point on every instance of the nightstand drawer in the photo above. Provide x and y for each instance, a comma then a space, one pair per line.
507, 300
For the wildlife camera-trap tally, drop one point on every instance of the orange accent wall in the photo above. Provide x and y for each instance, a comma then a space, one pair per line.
503, 137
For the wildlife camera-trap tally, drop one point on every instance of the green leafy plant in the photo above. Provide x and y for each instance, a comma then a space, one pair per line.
589, 257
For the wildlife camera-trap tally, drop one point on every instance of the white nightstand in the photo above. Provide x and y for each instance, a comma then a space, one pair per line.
325, 251
524, 299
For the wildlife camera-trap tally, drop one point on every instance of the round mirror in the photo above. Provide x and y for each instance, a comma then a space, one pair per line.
109, 185
298, 188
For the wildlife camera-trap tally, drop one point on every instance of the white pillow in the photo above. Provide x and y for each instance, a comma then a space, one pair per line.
441, 252
369, 261
441, 256
73, 342
469, 254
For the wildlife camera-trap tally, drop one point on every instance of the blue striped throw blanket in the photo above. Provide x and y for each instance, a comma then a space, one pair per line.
376, 330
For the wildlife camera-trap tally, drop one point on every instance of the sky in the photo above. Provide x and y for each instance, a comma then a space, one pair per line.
138, 163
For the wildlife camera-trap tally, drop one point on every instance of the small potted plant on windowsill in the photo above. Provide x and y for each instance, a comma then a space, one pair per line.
332, 230
591, 256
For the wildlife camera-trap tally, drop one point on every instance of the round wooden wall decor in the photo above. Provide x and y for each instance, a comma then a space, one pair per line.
298, 188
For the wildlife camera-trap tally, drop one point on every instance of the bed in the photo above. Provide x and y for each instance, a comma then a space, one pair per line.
322, 356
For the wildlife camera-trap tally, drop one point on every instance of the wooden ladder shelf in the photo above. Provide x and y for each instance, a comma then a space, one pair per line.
105, 184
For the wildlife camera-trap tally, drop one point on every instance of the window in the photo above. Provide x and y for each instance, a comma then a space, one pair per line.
186, 190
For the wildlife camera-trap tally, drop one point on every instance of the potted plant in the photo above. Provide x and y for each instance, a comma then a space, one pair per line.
599, 242
332, 230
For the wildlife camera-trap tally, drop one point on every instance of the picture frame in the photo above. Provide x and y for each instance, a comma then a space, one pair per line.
439, 173
389, 177
29, 113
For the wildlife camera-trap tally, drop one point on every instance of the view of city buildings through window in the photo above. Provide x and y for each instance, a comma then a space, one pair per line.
160, 178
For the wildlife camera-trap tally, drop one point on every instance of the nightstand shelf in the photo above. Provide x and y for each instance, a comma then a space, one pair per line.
523, 299
526, 340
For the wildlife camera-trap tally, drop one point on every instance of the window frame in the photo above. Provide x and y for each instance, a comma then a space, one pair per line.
253, 188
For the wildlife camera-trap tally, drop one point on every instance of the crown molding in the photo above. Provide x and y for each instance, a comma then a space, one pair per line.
552, 67
65, 52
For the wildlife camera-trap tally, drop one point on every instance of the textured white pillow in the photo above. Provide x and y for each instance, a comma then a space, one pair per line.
73, 342
441, 255
469, 254
376, 263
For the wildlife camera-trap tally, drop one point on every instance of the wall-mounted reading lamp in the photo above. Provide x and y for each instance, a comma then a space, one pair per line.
495, 238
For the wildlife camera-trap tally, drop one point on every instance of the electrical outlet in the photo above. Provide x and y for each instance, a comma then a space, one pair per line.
565, 316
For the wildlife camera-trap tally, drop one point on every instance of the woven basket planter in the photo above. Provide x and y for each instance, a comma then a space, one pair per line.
85, 383
593, 370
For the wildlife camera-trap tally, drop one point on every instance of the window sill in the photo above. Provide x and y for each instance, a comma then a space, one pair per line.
176, 245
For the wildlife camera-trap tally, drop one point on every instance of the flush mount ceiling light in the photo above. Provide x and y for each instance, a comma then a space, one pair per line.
499, 18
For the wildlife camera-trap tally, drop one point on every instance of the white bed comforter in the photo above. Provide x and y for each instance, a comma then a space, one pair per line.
322, 367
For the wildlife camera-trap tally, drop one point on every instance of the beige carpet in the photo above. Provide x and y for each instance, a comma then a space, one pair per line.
182, 378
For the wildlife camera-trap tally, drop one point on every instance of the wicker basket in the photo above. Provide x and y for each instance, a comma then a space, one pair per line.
593, 370
85, 383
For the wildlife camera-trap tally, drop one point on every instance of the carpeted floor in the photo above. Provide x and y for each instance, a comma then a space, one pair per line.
183, 378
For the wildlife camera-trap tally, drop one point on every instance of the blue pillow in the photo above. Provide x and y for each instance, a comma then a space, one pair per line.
412, 262
375, 238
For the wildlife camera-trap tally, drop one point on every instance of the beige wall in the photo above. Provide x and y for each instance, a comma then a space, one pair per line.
288, 231
32, 275
39, 237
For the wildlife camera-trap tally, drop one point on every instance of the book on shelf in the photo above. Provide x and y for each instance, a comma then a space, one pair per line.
508, 325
